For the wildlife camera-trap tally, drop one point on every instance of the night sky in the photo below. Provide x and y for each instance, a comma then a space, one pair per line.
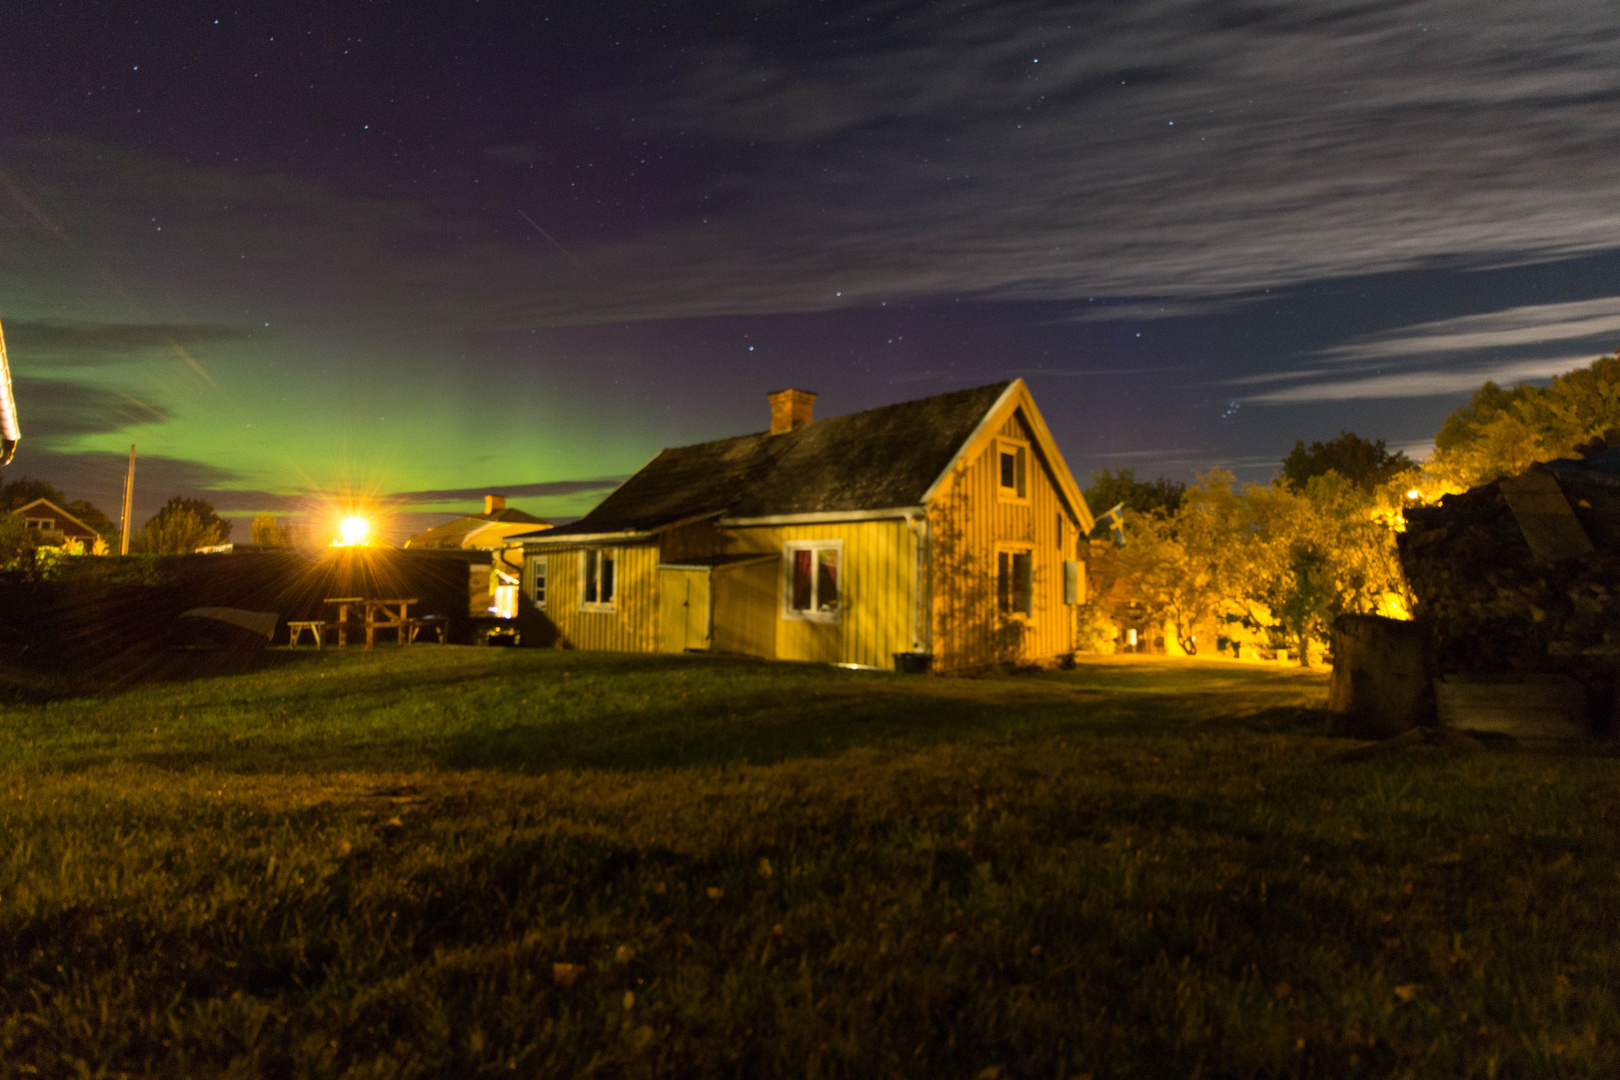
426, 251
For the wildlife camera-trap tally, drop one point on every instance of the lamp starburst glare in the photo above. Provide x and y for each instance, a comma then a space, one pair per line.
354, 532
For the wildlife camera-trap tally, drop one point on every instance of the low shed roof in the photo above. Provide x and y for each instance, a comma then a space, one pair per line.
879, 459
451, 533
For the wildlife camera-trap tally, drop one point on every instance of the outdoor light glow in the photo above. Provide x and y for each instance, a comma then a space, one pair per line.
353, 532
1414, 494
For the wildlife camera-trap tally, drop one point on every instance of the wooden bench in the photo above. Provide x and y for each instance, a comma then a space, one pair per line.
433, 624
296, 628
379, 615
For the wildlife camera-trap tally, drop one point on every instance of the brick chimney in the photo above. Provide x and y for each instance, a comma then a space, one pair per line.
493, 503
790, 409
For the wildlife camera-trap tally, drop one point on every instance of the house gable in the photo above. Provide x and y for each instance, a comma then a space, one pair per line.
1016, 406
1005, 519
65, 523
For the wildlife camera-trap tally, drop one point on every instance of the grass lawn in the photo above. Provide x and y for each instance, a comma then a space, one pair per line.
449, 861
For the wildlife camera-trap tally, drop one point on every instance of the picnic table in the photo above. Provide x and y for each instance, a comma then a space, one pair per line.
379, 614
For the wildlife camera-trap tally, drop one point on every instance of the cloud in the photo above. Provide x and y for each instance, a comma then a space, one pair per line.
1194, 460
1172, 147
1166, 148
1409, 384
98, 476
512, 491
95, 343
1072, 373
51, 409
1169, 308
1517, 327
1446, 356
978, 378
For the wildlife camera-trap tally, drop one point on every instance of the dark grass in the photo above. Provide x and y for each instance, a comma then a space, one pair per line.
371, 864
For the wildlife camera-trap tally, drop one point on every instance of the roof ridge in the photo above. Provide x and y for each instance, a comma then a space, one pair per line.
1002, 385
881, 457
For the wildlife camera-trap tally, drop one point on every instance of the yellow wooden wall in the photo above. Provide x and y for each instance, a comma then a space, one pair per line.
746, 599
877, 598
633, 627
967, 520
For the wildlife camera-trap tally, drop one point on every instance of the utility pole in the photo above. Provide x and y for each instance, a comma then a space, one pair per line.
129, 498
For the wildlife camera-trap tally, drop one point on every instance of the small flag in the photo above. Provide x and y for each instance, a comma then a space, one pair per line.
1116, 520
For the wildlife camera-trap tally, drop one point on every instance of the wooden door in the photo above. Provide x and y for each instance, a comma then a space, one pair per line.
683, 609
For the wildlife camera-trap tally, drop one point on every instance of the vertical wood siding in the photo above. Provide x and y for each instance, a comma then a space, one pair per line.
969, 523
877, 613
745, 608
876, 599
632, 627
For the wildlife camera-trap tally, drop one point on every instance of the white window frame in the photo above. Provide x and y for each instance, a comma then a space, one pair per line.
1021, 470
790, 549
1010, 550
602, 554
539, 580
39, 524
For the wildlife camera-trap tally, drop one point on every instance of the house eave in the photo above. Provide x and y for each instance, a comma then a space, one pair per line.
619, 536
587, 539
825, 517
736, 560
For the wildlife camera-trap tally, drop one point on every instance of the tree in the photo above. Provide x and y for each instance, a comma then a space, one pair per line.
1279, 562
1467, 422
17, 542
1108, 489
1503, 432
268, 531
1368, 465
1175, 569
1314, 554
25, 489
182, 526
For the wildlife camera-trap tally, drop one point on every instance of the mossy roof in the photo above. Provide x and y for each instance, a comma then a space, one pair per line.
879, 459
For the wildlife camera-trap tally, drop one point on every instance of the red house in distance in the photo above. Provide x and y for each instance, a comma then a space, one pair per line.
54, 525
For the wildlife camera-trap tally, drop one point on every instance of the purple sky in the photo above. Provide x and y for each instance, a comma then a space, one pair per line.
426, 251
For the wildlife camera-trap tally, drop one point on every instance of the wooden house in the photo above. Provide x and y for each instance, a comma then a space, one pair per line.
53, 525
485, 532
948, 527
493, 589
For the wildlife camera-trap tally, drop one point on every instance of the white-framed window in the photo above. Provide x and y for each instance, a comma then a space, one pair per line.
1015, 581
537, 580
596, 581
1012, 470
813, 580
41, 524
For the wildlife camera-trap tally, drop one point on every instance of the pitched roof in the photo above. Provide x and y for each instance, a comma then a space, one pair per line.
879, 459
451, 533
56, 512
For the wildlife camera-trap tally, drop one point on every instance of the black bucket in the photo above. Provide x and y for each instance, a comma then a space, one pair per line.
912, 663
